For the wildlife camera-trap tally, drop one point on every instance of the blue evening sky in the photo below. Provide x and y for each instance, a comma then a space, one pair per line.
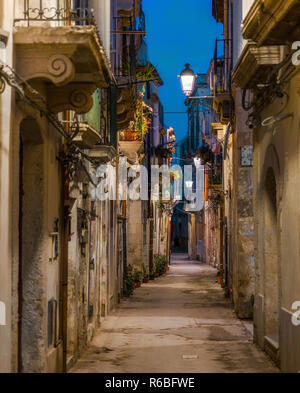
179, 32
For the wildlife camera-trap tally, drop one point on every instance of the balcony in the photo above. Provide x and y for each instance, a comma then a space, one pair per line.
220, 79
218, 10
102, 154
126, 103
61, 48
131, 145
272, 22
255, 64
87, 137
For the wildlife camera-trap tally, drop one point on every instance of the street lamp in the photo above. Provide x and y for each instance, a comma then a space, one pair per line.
197, 162
187, 78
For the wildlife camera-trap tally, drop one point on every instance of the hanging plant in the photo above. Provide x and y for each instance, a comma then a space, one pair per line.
143, 116
144, 73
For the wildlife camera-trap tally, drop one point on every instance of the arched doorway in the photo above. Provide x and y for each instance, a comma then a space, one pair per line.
271, 258
31, 292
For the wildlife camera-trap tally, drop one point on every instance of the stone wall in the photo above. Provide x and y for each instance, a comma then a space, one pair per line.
242, 239
6, 228
277, 229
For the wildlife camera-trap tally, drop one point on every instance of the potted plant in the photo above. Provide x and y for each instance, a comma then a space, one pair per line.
161, 263
129, 283
137, 278
157, 265
165, 264
219, 278
145, 275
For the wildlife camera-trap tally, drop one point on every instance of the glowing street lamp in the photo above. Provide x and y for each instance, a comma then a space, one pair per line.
197, 162
187, 78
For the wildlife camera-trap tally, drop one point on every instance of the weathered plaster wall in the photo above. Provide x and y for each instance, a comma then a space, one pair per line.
135, 234
277, 147
6, 23
40, 209
242, 240
211, 235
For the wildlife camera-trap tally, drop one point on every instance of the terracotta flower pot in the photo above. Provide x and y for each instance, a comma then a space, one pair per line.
145, 280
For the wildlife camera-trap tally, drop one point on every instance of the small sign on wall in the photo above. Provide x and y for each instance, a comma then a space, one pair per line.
247, 155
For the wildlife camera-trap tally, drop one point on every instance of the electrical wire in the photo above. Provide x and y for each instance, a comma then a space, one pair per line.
244, 105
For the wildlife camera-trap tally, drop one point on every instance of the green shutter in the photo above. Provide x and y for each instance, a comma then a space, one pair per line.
94, 115
113, 115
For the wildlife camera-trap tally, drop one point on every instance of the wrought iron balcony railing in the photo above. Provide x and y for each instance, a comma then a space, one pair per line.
220, 71
37, 11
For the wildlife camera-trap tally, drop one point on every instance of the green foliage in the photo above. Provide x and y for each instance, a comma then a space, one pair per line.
94, 115
144, 73
128, 291
161, 263
137, 275
142, 117
145, 274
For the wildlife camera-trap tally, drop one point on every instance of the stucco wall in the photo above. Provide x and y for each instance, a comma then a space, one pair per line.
277, 147
6, 20
243, 225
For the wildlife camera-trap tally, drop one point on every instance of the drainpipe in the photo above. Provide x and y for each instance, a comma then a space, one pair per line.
227, 81
65, 250
150, 209
226, 39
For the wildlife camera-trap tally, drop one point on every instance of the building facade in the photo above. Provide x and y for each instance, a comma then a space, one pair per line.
260, 176
74, 81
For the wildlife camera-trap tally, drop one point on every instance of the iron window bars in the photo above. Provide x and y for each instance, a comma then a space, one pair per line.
77, 14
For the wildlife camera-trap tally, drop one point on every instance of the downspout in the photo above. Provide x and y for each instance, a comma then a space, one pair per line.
226, 39
227, 76
150, 209
65, 248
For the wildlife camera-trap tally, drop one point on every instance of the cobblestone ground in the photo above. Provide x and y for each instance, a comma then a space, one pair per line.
180, 322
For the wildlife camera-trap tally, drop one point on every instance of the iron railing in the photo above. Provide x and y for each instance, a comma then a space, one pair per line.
77, 13
221, 69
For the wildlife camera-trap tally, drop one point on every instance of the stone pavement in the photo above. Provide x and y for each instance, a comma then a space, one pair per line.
180, 322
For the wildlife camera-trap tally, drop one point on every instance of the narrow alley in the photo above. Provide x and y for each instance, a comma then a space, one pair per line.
180, 322
149, 187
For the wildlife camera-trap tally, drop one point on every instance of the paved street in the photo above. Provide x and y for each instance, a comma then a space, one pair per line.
181, 322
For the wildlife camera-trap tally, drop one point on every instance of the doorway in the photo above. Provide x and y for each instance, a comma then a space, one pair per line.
31, 291
271, 259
